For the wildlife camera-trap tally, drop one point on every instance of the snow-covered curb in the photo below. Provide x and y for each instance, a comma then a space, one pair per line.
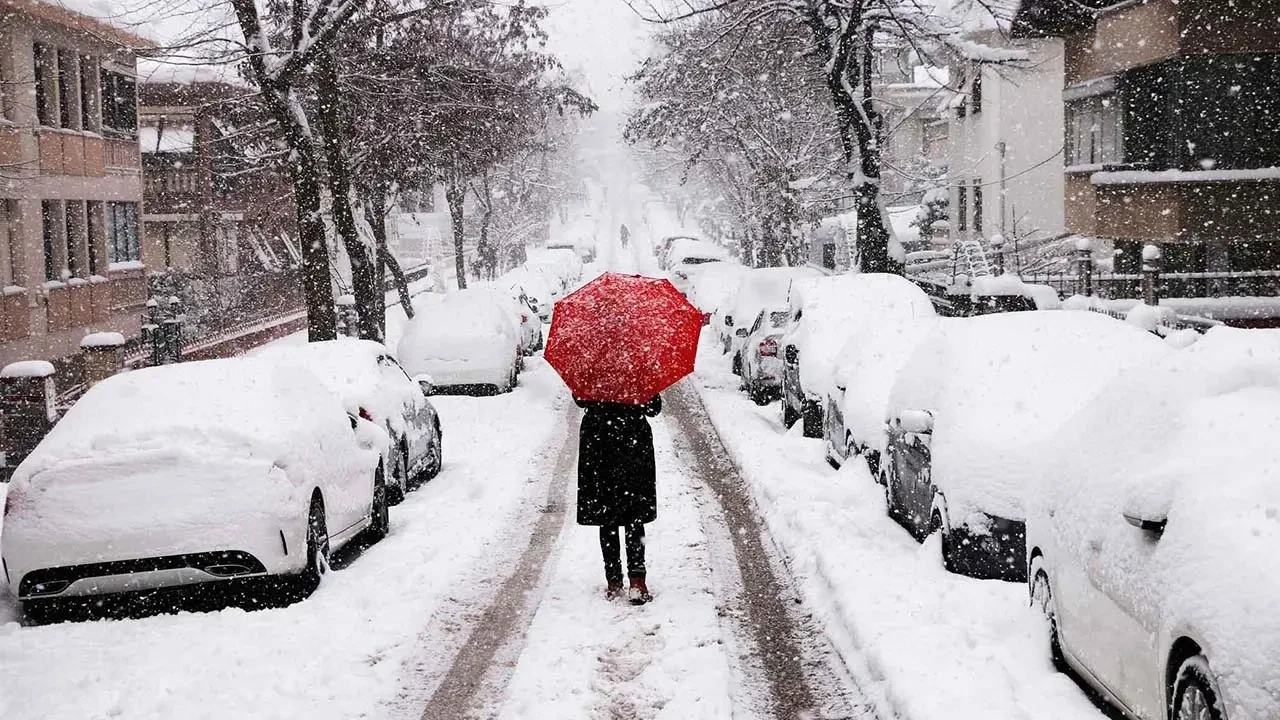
926, 644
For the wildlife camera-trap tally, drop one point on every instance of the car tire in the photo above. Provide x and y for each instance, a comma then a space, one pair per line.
737, 365
1193, 695
789, 415
937, 525
1042, 598
379, 509
811, 415
301, 586
758, 395
399, 475
45, 612
435, 459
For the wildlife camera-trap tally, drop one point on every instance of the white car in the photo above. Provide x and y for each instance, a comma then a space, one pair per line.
759, 288
713, 286
534, 286
761, 368
191, 473
889, 317
463, 341
1153, 523
825, 314
564, 264
519, 311
971, 397
373, 386
686, 259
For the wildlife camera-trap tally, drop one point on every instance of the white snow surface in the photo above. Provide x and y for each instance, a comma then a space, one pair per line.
457, 331
923, 644
102, 339
344, 652
998, 382
28, 368
1189, 438
764, 287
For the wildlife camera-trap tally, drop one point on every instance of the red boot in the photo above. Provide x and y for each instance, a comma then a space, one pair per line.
613, 591
639, 592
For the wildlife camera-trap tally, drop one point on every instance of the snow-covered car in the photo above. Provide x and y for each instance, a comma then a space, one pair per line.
759, 288
584, 248
761, 368
373, 386
521, 310
534, 286
1153, 522
564, 264
686, 259
825, 313
192, 473
663, 247
711, 289
463, 342
888, 318
974, 393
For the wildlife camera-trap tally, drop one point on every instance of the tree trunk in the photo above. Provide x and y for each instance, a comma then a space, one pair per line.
455, 195
486, 253
365, 285
375, 213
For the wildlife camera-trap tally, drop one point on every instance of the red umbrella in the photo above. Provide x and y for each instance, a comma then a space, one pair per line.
623, 338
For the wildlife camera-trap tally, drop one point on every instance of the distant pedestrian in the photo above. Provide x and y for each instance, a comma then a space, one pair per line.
617, 486
625, 234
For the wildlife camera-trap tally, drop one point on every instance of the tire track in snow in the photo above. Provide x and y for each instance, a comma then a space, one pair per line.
796, 660
465, 646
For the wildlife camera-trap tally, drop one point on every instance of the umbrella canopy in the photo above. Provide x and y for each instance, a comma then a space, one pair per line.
623, 338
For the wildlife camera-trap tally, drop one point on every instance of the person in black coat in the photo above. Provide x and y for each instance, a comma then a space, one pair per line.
617, 486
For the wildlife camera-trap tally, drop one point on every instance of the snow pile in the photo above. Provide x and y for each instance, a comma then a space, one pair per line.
102, 339
847, 308
351, 369
1189, 439
998, 382
764, 287
712, 286
882, 338
28, 368
1150, 318
1045, 297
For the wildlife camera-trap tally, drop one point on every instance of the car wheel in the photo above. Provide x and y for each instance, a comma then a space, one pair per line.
45, 612
789, 415
1193, 694
811, 413
758, 395
317, 554
399, 475
435, 458
936, 525
379, 511
1042, 598
737, 365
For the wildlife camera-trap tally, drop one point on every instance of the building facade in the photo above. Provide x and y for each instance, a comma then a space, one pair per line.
1172, 129
72, 257
1005, 171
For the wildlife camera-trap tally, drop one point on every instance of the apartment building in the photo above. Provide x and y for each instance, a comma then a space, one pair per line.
1172, 128
72, 256
1005, 168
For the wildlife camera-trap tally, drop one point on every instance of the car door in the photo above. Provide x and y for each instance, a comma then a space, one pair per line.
833, 426
413, 412
748, 344
1125, 615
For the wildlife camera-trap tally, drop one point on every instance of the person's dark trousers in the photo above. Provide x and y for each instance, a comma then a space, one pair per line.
613, 560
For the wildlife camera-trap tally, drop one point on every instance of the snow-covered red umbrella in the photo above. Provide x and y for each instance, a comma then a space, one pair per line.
623, 338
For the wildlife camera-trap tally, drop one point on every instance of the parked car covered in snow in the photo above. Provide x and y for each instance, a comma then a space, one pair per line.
520, 310
758, 355
825, 314
1153, 522
887, 318
373, 386
974, 393
192, 473
465, 341
759, 288
563, 263
535, 288
686, 259
663, 247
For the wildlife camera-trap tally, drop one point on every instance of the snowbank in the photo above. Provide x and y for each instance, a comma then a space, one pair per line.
998, 382
1189, 438
28, 368
102, 339
922, 643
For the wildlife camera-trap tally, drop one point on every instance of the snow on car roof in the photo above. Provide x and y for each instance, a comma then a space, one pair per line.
241, 405
689, 247
767, 286
999, 382
464, 324
1189, 438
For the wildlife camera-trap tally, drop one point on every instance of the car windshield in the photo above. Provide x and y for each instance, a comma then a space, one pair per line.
778, 318
698, 260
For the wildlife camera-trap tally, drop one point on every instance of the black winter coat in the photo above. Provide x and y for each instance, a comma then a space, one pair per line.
616, 475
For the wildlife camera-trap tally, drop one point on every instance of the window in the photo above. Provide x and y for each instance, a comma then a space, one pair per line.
227, 239
8, 236
119, 104
93, 225
89, 93
46, 79
962, 208
68, 115
977, 206
122, 232
73, 219
975, 92
50, 212
1094, 131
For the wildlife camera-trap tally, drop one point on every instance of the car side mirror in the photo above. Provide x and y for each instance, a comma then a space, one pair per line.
919, 422
741, 332
426, 383
728, 321
1155, 526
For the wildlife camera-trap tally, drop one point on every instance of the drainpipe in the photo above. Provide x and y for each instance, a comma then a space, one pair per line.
1001, 148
